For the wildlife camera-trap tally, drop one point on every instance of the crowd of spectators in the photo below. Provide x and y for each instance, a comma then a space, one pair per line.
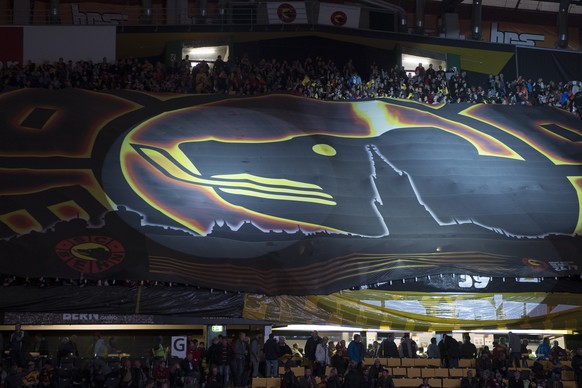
42, 282
234, 360
316, 78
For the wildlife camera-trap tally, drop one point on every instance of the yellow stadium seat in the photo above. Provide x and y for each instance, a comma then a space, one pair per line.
569, 384
441, 372
273, 382
259, 382
567, 375
451, 383
458, 372
434, 362
398, 383
421, 362
298, 371
435, 383
407, 362
427, 372
392, 362
399, 372
465, 363
413, 372
281, 370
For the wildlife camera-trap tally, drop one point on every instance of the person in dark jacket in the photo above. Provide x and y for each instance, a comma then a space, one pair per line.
271, 359
389, 348
354, 378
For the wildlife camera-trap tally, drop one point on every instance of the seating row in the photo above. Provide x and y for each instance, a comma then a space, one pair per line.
267, 382
418, 362
403, 372
442, 373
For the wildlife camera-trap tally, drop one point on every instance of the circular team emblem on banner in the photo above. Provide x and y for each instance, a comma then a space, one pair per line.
286, 13
90, 254
338, 18
534, 264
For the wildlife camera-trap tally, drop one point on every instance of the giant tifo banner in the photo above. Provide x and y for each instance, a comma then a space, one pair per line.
284, 195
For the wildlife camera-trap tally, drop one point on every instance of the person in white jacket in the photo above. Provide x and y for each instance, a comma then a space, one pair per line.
321, 357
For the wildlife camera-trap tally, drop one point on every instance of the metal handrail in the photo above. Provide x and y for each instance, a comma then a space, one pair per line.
239, 13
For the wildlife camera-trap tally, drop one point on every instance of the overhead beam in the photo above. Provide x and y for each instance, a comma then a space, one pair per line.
563, 23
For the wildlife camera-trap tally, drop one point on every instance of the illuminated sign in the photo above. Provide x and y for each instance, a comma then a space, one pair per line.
96, 17
509, 37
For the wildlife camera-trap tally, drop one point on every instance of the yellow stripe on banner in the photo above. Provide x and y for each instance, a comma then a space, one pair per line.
577, 183
138, 300
468, 311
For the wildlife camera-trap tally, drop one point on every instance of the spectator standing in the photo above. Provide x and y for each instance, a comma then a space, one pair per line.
468, 349
514, 349
196, 352
432, 350
420, 71
557, 351
524, 352
99, 347
18, 340
408, 347
271, 359
241, 352
321, 357
68, 349
255, 353
389, 348
310, 347
452, 350
577, 366
356, 351
284, 352
158, 350
213, 352
226, 357
543, 351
